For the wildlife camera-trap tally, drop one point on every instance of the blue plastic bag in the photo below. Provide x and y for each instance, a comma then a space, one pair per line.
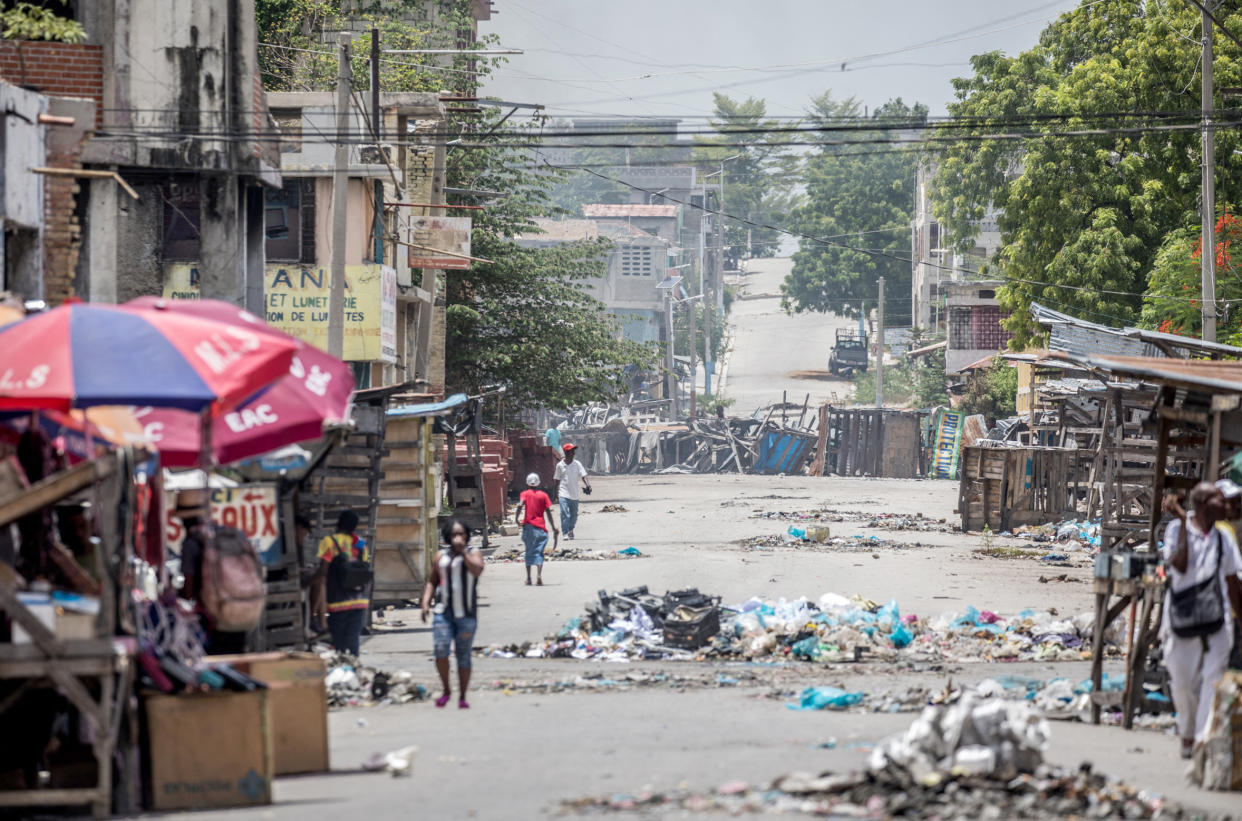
826, 698
630, 551
888, 615
901, 636
808, 648
797, 532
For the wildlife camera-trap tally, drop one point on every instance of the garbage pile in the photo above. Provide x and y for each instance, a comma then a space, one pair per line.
1070, 535
351, 684
598, 682
979, 758
634, 624
821, 538
876, 521
567, 554
614, 509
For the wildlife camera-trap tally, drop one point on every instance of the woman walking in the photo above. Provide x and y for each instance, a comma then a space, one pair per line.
454, 584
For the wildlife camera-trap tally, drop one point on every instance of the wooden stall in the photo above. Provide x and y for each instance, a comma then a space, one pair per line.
1007, 487
79, 657
871, 442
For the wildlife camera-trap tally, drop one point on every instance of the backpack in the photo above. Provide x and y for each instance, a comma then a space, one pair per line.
1199, 610
232, 592
350, 575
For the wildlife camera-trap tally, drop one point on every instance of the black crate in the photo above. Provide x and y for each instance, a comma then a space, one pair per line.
694, 632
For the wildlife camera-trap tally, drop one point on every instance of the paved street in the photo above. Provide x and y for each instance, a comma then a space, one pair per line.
520, 755
774, 352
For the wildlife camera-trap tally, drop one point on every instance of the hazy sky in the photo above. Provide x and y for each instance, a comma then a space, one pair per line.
588, 57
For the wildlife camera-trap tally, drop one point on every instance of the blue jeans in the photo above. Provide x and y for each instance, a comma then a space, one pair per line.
535, 539
446, 630
346, 629
569, 515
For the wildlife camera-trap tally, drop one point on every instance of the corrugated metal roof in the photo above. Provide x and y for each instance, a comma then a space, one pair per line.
1207, 374
604, 209
1082, 338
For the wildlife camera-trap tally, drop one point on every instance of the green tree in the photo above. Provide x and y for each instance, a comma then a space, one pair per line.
32, 21
523, 320
992, 392
751, 161
1083, 217
865, 201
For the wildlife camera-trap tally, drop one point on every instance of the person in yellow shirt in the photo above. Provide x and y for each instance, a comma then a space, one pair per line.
347, 603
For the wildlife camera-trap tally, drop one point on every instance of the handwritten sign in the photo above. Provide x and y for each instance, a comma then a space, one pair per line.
249, 508
296, 300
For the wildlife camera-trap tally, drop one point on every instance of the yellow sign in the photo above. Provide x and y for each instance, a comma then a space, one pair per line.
296, 299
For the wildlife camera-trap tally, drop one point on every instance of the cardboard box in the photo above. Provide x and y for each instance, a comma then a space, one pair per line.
208, 750
298, 703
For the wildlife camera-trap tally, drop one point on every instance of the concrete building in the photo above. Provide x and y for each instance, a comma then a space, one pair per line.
637, 262
934, 263
974, 323
663, 221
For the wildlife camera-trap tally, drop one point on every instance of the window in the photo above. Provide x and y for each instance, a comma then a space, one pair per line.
636, 261
282, 222
181, 221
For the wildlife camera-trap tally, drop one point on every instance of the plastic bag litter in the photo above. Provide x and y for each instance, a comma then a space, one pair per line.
901, 636
826, 698
808, 648
342, 677
833, 601
398, 763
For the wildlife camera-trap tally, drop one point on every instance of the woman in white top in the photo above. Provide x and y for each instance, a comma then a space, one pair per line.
1203, 563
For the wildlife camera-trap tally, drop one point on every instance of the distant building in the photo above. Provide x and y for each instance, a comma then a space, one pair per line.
659, 220
933, 263
974, 323
636, 264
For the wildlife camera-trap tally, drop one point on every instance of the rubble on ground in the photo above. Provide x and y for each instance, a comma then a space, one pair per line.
614, 509
981, 757
876, 521
633, 624
566, 554
350, 683
820, 539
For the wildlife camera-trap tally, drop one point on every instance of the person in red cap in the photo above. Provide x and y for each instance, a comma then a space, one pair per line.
571, 478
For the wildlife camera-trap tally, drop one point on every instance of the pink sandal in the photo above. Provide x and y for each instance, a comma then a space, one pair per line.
462, 704
442, 700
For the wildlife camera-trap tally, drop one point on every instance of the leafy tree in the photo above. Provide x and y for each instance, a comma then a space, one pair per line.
992, 392
865, 201
1083, 217
929, 381
523, 320
29, 21
750, 160
1171, 303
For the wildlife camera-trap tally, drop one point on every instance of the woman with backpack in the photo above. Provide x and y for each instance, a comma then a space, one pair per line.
454, 585
343, 568
1197, 630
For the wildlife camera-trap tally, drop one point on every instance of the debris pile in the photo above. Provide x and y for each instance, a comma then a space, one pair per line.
979, 758
567, 554
821, 539
634, 624
351, 684
875, 521
614, 509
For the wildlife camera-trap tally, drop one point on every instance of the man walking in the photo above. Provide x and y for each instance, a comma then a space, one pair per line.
1197, 629
534, 507
571, 479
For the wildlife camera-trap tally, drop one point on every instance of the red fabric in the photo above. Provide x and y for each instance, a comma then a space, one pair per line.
535, 502
316, 389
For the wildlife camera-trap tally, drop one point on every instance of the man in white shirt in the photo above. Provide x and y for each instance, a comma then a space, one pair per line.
1197, 553
571, 478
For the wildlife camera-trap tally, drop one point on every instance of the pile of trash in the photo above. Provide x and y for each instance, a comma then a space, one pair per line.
978, 758
820, 538
351, 684
634, 624
614, 509
877, 521
567, 554
1070, 535
598, 682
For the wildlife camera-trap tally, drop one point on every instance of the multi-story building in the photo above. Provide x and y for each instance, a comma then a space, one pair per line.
934, 263
973, 317
637, 262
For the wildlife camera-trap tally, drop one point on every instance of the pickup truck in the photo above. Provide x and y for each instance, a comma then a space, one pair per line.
849, 353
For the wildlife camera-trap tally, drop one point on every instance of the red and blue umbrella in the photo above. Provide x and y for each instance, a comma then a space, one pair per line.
81, 355
315, 390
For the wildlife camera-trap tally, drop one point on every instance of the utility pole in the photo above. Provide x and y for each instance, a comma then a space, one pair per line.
377, 131
879, 350
1208, 195
670, 377
377, 124
708, 278
340, 179
693, 309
